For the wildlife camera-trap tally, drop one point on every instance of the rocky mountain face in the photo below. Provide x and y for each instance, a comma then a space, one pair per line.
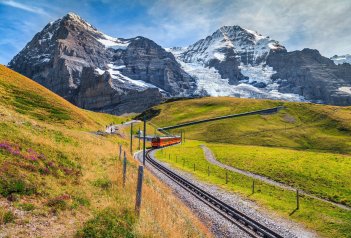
313, 76
234, 61
116, 75
99, 72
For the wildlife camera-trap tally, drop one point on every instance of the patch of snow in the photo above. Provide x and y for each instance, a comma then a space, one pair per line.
258, 73
45, 60
345, 90
255, 34
219, 56
100, 71
118, 78
111, 42
341, 59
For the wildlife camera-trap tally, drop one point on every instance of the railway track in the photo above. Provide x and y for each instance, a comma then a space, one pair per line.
244, 222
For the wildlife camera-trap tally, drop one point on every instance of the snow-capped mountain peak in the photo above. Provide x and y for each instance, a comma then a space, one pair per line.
232, 62
246, 45
101, 72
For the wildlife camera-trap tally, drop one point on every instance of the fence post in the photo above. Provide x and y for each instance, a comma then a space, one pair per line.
297, 200
120, 152
124, 169
208, 170
194, 166
139, 189
144, 139
181, 137
226, 177
253, 186
131, 138
139, 139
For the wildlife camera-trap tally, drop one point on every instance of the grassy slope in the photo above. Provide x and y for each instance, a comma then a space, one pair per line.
326, 219
53, 166
324, 174
305, 145
300, 125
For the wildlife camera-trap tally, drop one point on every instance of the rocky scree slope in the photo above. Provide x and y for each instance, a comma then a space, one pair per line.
234, 61
98, 72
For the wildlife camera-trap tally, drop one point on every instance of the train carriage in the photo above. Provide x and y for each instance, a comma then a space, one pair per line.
161, 141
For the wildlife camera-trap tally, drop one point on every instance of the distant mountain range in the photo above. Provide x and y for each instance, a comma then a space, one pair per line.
115, 75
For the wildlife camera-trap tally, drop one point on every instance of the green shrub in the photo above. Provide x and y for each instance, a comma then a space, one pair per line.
109, 223
26, 206
80, 201
103, 183
6, 216
58, 203
9, 185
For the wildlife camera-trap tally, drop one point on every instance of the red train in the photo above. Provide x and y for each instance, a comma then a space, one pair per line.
161, 141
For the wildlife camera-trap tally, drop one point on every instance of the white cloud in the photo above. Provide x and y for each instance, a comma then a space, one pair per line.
319, 24
24, 7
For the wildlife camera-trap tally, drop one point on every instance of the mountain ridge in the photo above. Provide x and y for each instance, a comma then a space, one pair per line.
116, 75
96, 71
234, 61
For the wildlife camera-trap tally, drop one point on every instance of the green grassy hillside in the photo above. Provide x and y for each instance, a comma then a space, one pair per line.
63, 180
304, 145
299, 125
326, 219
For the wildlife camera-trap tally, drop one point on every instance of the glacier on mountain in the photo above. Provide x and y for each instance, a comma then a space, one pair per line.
249, 48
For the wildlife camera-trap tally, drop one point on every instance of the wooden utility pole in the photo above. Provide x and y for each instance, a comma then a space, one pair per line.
139, 190
144, 141
208, 170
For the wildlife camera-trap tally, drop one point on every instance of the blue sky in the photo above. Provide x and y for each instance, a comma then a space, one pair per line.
297, 24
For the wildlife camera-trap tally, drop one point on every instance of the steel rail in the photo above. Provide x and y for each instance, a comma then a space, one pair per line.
244, 222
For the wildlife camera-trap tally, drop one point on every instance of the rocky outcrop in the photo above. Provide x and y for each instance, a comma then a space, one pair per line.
311, 75
99, 72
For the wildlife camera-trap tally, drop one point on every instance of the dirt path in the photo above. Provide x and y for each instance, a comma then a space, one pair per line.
212, 159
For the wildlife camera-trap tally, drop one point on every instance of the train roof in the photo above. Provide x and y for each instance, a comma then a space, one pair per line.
166, 137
